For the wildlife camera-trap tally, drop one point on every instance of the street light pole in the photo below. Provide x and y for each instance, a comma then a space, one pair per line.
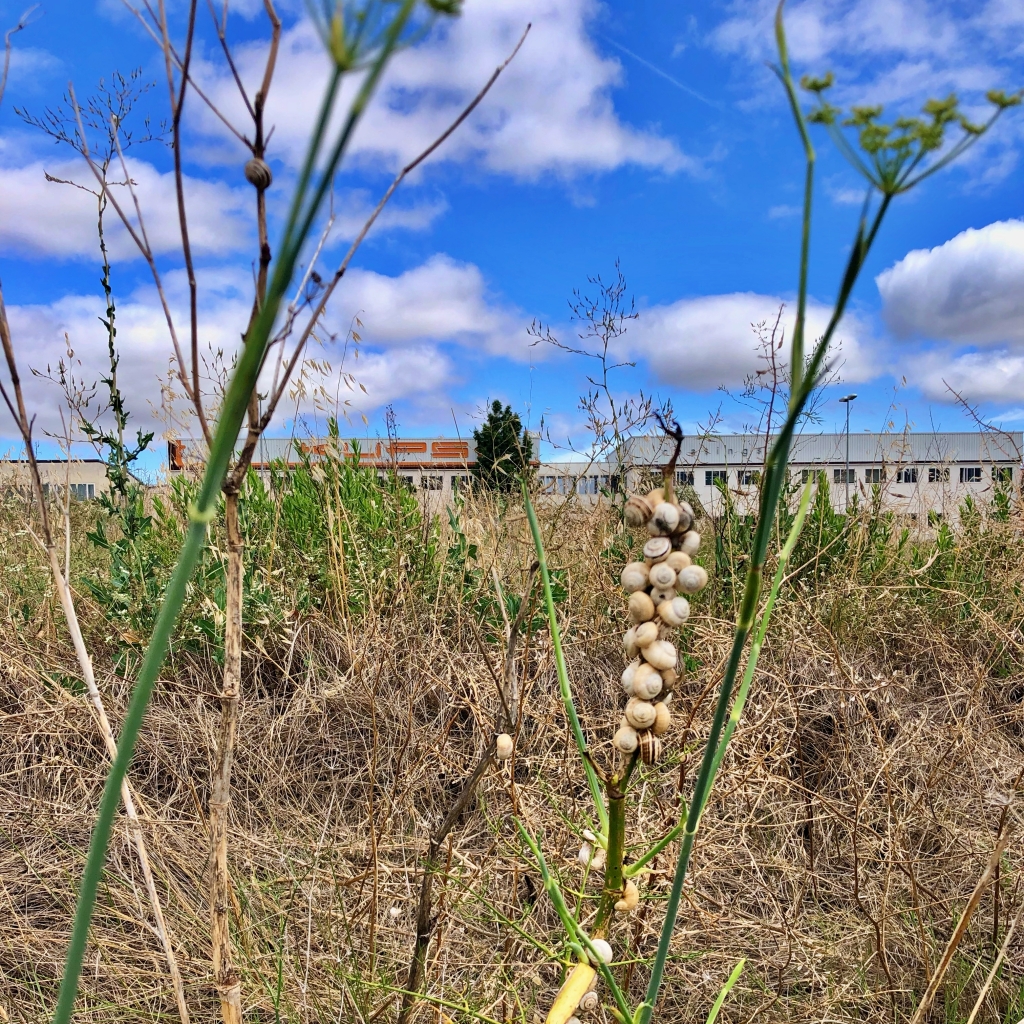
846, 477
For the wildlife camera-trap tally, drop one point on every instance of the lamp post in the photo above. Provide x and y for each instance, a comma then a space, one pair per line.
846, 400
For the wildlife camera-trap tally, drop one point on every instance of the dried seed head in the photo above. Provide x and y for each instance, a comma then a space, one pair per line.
641, 607
661, 654
647, 682
640, 713
662, 576
690, 543
257, 173
662, 719
603, 950
674, 612
630, 898
503, 746
634, 577
657, 549
624, 739
678, 560
650, 747
646, 633
637, 510
665, 520
692, 579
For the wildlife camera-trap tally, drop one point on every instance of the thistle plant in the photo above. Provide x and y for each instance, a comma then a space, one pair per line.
893, 158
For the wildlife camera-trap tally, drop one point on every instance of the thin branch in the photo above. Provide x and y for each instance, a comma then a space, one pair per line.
8, 36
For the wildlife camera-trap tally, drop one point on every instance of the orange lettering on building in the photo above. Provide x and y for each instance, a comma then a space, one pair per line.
407, 447
455, 450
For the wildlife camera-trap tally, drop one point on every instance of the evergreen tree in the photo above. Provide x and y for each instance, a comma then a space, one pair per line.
503, 449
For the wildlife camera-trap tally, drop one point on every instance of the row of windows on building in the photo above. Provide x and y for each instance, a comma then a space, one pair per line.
871, 475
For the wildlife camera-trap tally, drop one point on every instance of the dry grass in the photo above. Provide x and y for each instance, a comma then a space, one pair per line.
854, 814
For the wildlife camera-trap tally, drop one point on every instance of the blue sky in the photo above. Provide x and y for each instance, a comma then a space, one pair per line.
647, 133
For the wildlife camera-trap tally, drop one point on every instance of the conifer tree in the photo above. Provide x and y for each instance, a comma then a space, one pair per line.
503, 449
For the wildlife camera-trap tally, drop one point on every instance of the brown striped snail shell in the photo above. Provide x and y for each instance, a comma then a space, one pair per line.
649, 746
662, 719
641, 607
637, 510
662, 576
634, 576
258, 173
657, 550
640, 713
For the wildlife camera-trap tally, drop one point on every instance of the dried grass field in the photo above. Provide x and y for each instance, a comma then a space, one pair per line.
875, 765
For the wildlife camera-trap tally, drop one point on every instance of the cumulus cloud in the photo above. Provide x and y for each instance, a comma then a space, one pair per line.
551, 111
991, 376
967, 290
45, 218
701, 343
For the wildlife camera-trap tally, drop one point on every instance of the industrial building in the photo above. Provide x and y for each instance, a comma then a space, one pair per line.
86, 478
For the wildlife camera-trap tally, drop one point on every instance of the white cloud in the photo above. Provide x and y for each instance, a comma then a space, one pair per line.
551, 111
968, 290
44, 218
991, 376
701, 343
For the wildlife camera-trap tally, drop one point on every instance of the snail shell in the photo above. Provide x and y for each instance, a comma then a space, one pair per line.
657, 495
603, 950
637, 511
662, 719
629, 645
657, 549
259, 174
571, 1020
674, 612
658, 596
650, 747
640, 713
662, 576
678, 560
685, 517
625, 739
629, 676
646, 633
634, 576
669, 677
588, 1002
589, 836
641, 607
692, 579
586, 851
503, 746
661, 654
630, 898
647, 682
690, 543
665, 520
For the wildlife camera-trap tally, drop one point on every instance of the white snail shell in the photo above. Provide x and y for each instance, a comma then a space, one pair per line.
603, 950
657, 549
588, 1002
629, 643
690, 543
640, 713
661, 654
634, 576
258, 173
625, 739
574, 1020
503, 746
662, 576
647, 682
674, 612
665, 520
685, 517
646, 634
641, 607
629, 676
658, 595
649, 746
692, 579
599, 861
662, 719
630, 898
678, 560
637, 511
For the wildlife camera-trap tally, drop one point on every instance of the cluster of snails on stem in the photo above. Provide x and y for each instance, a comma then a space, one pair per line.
658, 588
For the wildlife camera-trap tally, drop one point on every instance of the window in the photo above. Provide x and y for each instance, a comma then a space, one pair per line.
586, 485
844, 476
747, 477
566, 484
809, 474
460, 481
547, 485
938, 474
906, 475
1002, 474
83, 491
713, 476
970, 474
407, 480
684, 478
874, 475
432, 482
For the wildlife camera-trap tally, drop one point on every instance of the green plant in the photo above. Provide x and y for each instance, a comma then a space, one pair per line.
503, 449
